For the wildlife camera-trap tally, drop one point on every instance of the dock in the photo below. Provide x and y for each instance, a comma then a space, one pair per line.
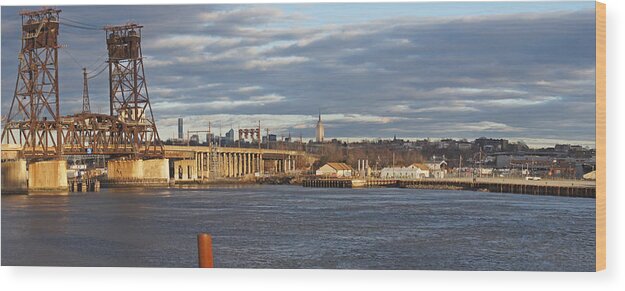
568, 188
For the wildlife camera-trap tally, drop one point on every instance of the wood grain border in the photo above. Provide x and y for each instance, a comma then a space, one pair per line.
600, 132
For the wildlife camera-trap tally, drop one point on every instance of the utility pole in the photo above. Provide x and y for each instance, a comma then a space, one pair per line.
259, 135
480, 173
460, 166
267, 129
393, 165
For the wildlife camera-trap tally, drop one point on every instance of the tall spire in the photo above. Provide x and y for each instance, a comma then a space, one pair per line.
319, 130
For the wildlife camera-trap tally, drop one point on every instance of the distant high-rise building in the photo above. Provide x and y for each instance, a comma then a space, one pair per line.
180, 129
230, 135
319, 129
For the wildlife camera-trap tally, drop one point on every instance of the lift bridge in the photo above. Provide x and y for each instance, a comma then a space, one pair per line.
35, 132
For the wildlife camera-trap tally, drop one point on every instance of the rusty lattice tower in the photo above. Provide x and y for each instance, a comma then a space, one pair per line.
86, 107
129, 100
34, 120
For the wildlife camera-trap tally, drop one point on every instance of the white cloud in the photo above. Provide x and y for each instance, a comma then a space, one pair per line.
194, 43
270, 98
446, 109
219, 103
481, 126
248, 89
247, 15
266, 63
465, 91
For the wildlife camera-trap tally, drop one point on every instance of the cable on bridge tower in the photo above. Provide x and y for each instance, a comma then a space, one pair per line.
78, 24
98, 73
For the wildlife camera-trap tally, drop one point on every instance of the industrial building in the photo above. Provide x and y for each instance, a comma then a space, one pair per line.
335, 170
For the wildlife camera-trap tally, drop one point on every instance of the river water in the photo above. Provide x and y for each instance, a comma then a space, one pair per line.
295, 227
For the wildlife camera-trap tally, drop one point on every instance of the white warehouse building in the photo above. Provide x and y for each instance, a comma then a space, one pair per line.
414, 171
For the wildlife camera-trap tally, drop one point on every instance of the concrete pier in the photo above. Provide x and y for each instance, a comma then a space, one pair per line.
14, 177
48, 176
185, 170
153, 172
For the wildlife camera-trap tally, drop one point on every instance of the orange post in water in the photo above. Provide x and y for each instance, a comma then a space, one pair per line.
205, 250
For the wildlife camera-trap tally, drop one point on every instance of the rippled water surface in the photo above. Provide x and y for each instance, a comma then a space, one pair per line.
296, 227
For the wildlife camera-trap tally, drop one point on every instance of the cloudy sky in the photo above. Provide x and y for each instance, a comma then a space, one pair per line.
523, 71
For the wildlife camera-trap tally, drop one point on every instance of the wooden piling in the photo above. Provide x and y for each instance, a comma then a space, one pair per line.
205, 250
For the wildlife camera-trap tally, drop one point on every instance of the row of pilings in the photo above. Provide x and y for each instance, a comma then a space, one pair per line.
83, 185
327, 183
515, 188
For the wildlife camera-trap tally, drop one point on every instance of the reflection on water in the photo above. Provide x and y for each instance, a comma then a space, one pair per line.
296, 227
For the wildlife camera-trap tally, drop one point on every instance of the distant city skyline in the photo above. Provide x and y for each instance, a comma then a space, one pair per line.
514, 70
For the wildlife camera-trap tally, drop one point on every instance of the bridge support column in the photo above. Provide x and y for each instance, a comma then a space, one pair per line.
226, 165
14, 178
243, 164
202, 174
219, 166
261, 163
48, 176
239, 164
249, 163
246, 164
222, 165
230, 165
254, 163
198, 163
201, 169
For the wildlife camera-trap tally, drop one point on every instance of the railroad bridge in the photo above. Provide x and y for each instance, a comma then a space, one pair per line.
36, 138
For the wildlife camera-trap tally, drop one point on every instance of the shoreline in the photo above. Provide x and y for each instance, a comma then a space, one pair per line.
497, 186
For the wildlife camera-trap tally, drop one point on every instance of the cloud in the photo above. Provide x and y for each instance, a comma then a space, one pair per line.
221, 104
195, 43
248, 89
247, 16
267, 63
527, 74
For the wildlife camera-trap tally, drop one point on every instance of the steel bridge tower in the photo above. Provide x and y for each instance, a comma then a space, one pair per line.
34, 119
129, 100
